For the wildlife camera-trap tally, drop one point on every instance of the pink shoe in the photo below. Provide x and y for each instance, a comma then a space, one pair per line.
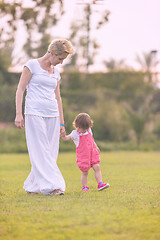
85, 189
102, 185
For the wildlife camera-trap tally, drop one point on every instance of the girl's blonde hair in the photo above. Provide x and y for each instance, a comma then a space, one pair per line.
61, 46
83, 120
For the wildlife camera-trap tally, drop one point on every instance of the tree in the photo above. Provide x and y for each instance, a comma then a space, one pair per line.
139, 118
80, 36
148, 63
137, 121
113, 64
37, 19
109, 118
5, 62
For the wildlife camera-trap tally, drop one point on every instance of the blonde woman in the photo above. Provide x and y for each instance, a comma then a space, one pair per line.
44, 122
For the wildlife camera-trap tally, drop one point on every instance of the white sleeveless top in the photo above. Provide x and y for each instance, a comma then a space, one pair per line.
40, 98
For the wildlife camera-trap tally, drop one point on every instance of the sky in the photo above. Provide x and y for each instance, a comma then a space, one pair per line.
133, 28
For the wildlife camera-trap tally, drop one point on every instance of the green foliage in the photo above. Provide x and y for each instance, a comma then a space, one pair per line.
102, 94
147, 61
9, 79
5, 59
129, 209
80, 36
138, 121
155, 102
7, 103
109, 120
5, 62
36, 19
12, 140
72, 81
105, 97
69, 115
157, 127
113, 65
9, 14
36, 25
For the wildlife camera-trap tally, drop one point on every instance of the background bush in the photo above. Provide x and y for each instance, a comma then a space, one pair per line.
110, 98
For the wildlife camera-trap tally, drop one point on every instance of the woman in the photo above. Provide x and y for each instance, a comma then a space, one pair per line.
44, 122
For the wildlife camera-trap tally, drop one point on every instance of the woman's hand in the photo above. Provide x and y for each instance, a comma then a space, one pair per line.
62, 131
19, 121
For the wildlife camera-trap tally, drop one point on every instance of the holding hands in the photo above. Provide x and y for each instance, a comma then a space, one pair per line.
62, 131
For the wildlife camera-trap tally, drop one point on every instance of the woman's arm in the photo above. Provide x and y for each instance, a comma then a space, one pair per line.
59, 101
23, 82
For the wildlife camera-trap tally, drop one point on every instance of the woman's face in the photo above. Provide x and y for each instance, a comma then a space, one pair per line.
57, 59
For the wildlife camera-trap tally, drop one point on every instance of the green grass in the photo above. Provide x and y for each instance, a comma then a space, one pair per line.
128, 210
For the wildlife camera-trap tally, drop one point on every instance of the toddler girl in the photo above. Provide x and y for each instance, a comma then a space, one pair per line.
86, 150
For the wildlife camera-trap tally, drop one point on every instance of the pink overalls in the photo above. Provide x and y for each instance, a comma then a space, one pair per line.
87, 154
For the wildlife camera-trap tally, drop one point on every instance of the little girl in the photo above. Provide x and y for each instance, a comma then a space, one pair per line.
86, 150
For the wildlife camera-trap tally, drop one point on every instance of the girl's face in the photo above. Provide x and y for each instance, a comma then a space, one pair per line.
57, 59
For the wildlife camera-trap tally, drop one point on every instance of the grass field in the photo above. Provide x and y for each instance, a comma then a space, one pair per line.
128, 210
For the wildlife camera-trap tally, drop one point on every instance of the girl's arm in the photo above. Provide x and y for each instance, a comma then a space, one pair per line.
67, 138
23, 82
59, 101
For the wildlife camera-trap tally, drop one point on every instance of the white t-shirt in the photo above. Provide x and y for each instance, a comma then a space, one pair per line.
75, 136
40, 98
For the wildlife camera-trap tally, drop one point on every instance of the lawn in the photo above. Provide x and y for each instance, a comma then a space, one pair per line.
128, 210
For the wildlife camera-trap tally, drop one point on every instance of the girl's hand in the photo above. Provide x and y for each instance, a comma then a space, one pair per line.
62, 131
19, 121
67, 138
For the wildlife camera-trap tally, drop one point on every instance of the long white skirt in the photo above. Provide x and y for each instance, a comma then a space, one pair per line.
42, 135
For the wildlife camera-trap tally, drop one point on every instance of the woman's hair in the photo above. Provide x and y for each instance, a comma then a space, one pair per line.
61, 46
83, 120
